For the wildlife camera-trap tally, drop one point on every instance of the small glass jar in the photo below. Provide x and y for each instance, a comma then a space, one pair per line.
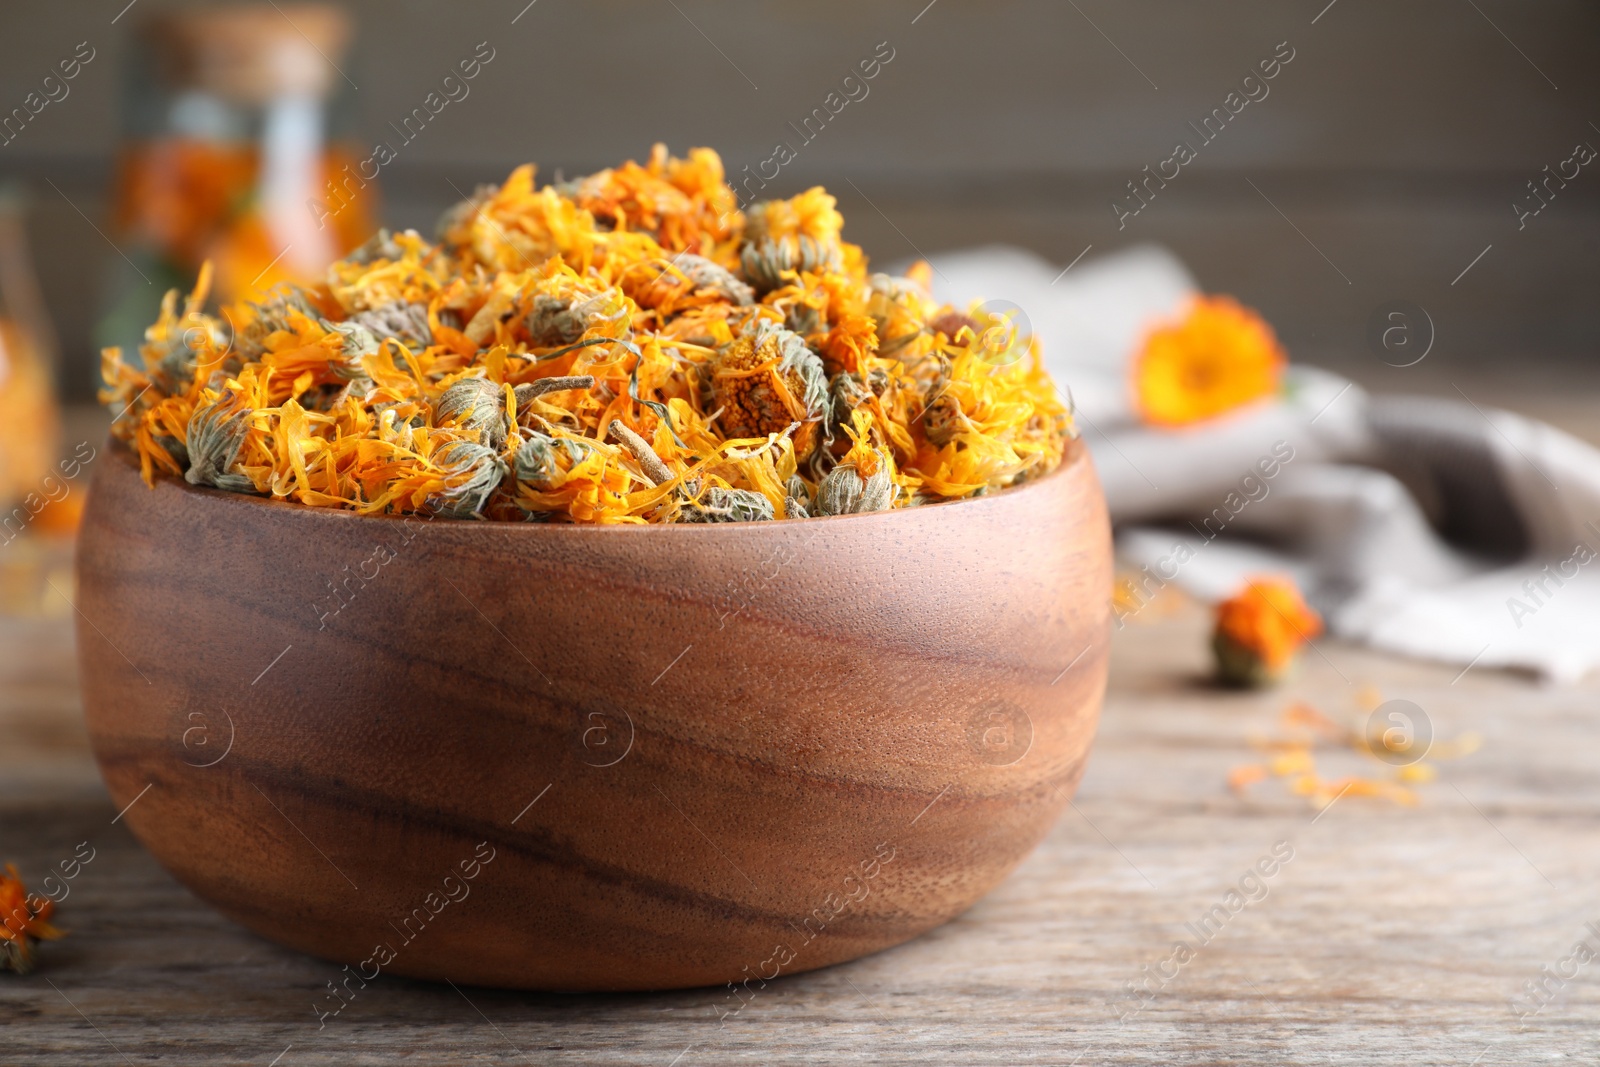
236, 125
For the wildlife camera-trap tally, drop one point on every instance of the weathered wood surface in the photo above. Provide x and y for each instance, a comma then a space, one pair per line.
1392, 936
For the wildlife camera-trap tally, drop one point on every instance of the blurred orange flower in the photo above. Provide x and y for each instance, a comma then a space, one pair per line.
22, 917
1259, 631
1219, 356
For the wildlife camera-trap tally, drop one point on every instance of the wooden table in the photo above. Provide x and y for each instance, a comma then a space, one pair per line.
1393, 935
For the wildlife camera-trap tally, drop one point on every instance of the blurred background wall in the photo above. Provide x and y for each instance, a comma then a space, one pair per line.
1387, 155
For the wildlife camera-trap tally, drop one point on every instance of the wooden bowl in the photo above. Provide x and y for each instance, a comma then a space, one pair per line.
591, 758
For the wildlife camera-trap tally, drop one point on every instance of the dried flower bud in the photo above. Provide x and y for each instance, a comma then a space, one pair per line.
215, 435
1260, 630
472, 472
758, 404
702, 275
794, 509
271, 316
195, 333
879, 493
844, 492
475, 404
399, 321
845, 394
359, 343
728, 505
943, 420
557, 320
26, 918
767, 260
839, 493
796, 489
542, 461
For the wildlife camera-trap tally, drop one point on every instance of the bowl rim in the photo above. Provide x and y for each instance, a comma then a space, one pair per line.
1075, 454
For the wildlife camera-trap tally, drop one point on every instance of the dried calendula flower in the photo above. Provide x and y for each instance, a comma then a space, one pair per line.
685, 275
379, 246
786, 237
23, 919
745, 352
768, 261
258, 322
717, 504
543, 461
796, 498
846, 392
470, 472
943, 420
216, 434
768, 380
358, 343
561, 320
397, 321
475, 404
844, 492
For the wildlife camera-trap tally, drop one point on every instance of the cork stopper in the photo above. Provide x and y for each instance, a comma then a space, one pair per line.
251, 53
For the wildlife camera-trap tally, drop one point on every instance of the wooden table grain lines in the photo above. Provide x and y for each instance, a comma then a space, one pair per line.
1392, 935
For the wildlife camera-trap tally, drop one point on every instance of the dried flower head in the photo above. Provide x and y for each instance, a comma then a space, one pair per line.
215, 436
379, 246
769, 380
717, 504
770, 261
561, 320
469, 473
943, 420
685, 276
478, 405
844, 492
398, 320
23, 919
543, 462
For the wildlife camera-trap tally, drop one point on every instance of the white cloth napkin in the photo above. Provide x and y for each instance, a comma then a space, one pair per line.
1430, 527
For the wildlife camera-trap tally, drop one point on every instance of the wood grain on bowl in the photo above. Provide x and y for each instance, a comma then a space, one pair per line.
560, 757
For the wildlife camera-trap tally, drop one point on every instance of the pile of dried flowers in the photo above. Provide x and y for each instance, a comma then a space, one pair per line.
624, 347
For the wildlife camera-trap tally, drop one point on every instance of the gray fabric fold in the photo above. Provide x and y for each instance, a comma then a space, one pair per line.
1429, 527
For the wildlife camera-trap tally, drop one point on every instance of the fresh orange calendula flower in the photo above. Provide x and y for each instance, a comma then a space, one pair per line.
1219, 356
22, 918
1259, 631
